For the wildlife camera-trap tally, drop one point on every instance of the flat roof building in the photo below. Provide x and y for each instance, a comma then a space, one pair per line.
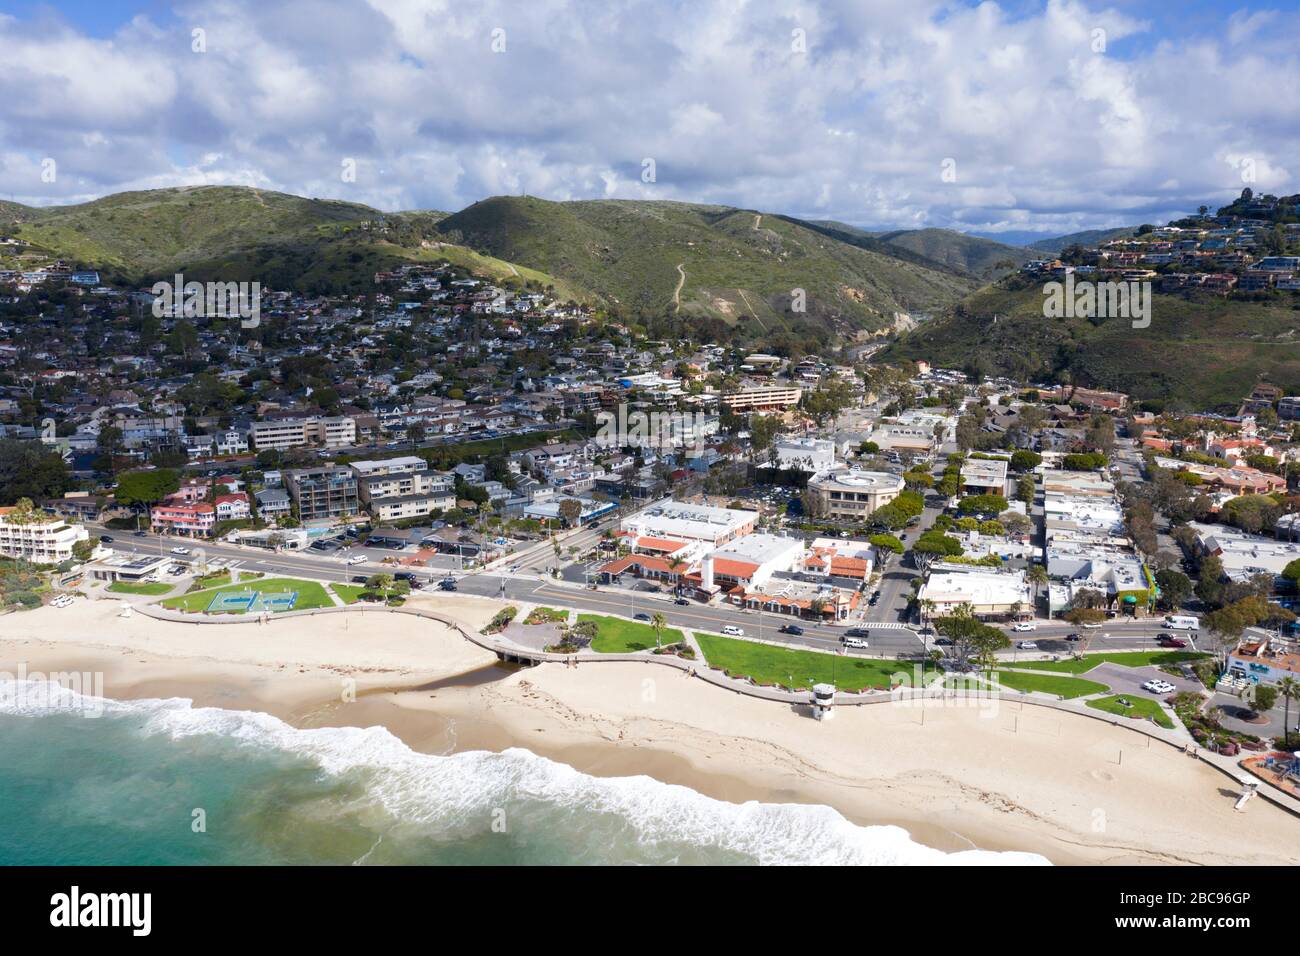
689, 522
850, 493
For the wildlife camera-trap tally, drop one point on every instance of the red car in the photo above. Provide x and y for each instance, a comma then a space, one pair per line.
1172, 642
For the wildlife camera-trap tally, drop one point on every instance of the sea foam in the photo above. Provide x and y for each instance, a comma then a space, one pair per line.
455, 796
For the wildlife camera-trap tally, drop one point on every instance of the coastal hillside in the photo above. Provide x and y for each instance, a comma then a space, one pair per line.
239, 233
978, 257
708, 263
1201, 349
1088, 239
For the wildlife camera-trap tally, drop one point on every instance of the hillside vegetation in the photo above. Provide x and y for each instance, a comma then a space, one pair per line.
983, 258
237, 233
706, 262
1205, 350
1089, 238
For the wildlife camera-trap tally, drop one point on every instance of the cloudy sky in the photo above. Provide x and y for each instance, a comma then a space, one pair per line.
1038, 115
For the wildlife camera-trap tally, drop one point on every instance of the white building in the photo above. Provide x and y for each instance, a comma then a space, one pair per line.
991, 593
850, 493
686, 522
38, 537
280, 434
751, 560
806, 454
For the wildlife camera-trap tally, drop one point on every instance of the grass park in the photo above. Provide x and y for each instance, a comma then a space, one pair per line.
617, 636
1056, 684
310, 594
1139, 708
769, 664
1086, 663
140, 587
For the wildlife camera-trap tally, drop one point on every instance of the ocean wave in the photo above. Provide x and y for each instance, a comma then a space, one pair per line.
454, 796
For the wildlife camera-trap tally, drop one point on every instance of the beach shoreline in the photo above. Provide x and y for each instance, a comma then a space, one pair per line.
1074, 790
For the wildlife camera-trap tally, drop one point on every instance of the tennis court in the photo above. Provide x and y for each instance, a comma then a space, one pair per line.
243, 602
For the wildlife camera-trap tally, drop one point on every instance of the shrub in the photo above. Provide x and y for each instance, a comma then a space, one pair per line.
502, 618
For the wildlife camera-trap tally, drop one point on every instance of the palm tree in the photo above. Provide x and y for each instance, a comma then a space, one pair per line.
1289, 688
1038, 578
658, 622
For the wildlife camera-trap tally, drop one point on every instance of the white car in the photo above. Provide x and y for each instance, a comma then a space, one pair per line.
1092, 627
358, 559
1027, 646
63, 600
733, 630
1025, 626
180, 550
855, 642
1157, 686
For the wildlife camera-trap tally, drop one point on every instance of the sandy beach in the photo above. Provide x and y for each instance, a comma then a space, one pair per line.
1014, 777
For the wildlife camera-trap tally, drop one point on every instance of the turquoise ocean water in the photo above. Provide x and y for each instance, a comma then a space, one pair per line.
133, 785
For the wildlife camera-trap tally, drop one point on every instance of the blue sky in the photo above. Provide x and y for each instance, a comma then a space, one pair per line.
1028, 115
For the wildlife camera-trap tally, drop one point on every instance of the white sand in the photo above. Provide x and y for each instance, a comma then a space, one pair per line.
1021, 777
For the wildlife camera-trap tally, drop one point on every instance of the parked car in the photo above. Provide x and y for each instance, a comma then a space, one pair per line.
641, 617
140, 534
732, 630
1027, 646
1157, 686
681, 602
791, 629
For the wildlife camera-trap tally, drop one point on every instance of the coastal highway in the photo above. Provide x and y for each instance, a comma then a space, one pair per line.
529, 585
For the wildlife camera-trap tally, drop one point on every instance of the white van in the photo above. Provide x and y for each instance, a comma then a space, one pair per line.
1182, 622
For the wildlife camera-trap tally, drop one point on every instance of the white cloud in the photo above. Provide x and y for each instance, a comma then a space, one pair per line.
1045, 130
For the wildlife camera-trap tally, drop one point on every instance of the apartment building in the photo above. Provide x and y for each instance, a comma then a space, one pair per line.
325, 492
763, 398
395, 488
38, 537
285, 433
193, 519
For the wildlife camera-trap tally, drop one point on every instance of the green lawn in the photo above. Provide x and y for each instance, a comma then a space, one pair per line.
616, 636
142, 587
348, 593
213, 580
1142, 709
1126, 658
1050, 684
780, 665
310, 594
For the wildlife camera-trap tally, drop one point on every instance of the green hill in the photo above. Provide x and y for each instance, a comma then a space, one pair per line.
656, 258
983, 258
236, 233
1089, 238
1205, 350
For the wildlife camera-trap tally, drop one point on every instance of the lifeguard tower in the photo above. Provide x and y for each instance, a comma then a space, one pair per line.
823, 699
